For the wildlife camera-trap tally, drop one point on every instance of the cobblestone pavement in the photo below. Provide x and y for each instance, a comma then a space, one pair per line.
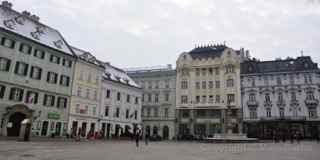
126, 150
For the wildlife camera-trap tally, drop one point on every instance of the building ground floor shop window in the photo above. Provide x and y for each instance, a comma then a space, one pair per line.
282, 129
49, 128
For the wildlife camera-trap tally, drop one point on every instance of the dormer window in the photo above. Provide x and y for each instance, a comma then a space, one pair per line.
118, 78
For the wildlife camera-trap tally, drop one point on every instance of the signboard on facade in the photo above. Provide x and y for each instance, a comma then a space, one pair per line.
52, 115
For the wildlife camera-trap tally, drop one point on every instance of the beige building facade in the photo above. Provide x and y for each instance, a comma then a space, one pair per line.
208, 82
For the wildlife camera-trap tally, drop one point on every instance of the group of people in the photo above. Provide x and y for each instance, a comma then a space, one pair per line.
292, 136
138, 136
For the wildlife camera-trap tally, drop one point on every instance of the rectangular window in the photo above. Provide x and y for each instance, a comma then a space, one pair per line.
268, 110
197, 99
197, 85
39, 53
55, 59
108, 93
35, 72
148, 112
217, 98
156, 98
204, 85
64, 80
16, 94
128, 98
137, 100
4, 64
24, 48
230, 83
2, 91
77, 108
184, 99
204, 99
166, 112
217, 84
66, 63
118, 96
135, 114
210, 71
211, 99
166, 97
88, 93
62, 102
210, 84
185, 113
127, 113
204, 71
48, 100
156, 112
95, 95
184, 84
94, 110
32, 97
149, 98
230, 98
21, 68
217, 71
79, 92
52, 77
106, 111
117, 113
7, 42
253, 113
197, 71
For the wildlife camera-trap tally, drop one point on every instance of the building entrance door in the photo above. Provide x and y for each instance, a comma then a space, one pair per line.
15, 120
44, 129
165, 133
58, 128
103, 129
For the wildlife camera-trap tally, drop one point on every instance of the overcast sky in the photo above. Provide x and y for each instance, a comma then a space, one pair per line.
137, 33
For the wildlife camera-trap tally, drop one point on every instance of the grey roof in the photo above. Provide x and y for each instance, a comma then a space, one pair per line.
28, 26
211, 51
303, 63
151, 73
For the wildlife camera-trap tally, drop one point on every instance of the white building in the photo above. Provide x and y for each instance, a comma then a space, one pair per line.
280, 97
86, 94
208, 82
158, 100
120, 109
36, 73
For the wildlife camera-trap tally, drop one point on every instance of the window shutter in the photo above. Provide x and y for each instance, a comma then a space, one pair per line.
51, 57
61, 78
2, 40
8, 64
68, 80
26, 69
55, 78
42, 54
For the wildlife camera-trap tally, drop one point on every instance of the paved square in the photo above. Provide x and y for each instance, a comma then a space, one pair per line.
126, 150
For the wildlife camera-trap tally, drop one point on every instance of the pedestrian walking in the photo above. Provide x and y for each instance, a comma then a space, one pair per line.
137, 138
146, 138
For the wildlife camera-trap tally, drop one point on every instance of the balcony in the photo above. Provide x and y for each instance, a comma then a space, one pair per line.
289, 118
252, 103
281, 103
267, 103
311, 102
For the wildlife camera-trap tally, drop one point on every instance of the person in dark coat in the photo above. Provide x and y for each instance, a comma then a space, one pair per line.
137, 138
146, 138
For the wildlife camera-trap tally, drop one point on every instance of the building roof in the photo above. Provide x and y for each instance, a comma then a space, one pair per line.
211, 51
118, 75
303, 63
28, 26
152, 72
86, 56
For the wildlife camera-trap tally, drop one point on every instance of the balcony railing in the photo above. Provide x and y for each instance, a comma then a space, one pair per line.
311, 102
252, 103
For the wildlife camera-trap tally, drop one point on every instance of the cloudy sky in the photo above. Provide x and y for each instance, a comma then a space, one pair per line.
137, 33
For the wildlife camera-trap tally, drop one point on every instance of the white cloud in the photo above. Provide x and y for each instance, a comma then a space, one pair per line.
143, 32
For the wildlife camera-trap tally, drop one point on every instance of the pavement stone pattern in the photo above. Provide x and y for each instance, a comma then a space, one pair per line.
126, 150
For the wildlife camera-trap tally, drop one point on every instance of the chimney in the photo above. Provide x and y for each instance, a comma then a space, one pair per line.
6, 4
26, 13
35, 17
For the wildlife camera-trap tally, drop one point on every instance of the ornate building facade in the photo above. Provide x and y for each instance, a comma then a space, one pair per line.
208, 82
36, 73
158, 100
280, 97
